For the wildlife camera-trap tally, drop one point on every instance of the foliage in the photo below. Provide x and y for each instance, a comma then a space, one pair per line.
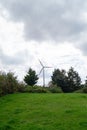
79, 91
55, 90
39, 89
59, 78
51, 85
36, 89
74, 80
2, 83
31, 78
43, 112
69, 81
8, 83
11, 83
82, 90
21, 87
85, 90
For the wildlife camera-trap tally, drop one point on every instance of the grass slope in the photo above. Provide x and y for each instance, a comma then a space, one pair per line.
43, 112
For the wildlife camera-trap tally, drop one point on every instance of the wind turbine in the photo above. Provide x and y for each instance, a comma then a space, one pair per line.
43, 70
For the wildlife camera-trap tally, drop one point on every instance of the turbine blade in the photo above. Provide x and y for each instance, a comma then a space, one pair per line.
41, 63
40, 71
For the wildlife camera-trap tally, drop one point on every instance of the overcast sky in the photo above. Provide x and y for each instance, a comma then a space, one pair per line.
54, 31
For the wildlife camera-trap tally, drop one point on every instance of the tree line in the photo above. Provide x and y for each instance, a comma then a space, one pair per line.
61, 81
68, 81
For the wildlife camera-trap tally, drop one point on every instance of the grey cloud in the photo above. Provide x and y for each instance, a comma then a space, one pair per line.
17, 59
83, 47
58, 20
45, 20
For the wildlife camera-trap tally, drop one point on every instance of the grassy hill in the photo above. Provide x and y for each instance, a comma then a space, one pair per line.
43, 112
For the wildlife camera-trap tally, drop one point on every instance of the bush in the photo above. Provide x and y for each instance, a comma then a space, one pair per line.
79, 91
8, 83
11, 83
55, 90
35, 89
1, 91
85, 90
41, 90
21, 87
2, 83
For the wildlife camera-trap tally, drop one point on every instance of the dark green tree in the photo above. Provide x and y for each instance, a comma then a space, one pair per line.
74, 80
59, 78
31, 78
69, 81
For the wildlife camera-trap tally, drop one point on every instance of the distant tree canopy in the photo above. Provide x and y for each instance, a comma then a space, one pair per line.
31, 78
69, 81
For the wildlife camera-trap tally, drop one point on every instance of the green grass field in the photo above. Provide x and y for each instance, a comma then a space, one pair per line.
43, 112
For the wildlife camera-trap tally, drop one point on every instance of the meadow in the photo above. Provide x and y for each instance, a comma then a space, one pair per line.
27, 111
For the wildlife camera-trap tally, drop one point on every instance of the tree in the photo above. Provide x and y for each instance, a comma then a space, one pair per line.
74, 80
8, 83
2, 83
11, 82
59, 78
31, 78
69, 81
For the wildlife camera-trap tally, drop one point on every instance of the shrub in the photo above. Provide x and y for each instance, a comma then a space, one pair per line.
11, 83
55, 90
41, 90
79, 91
21, 87
2, 83
8, 83
36, 89
85, 90
1, 91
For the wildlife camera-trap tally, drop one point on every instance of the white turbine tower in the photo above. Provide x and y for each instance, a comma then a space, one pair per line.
43, 70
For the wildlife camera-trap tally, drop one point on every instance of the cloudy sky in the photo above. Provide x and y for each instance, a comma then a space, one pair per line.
54, 31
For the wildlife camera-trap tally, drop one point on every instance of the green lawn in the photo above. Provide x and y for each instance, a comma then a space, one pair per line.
43, 112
